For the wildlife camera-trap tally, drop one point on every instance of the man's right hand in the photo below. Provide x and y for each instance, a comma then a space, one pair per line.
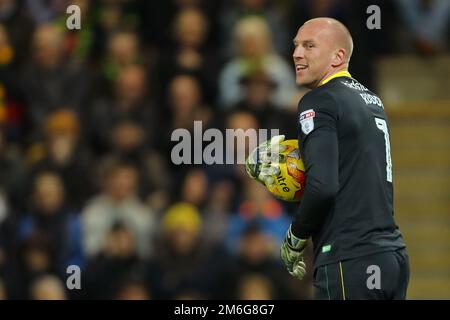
263, 162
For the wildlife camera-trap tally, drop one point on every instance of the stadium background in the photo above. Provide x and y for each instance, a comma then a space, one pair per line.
85, 124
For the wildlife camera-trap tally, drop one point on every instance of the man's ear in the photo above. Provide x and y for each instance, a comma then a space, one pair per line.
339, 58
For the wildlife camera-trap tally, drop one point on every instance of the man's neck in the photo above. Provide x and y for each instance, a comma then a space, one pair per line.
334, 74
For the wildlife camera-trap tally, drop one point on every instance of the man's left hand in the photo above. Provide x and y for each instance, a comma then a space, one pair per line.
292, 251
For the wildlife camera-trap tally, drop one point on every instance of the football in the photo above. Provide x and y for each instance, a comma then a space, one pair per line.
290, 182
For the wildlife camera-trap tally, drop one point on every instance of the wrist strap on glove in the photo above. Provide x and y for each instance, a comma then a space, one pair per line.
294, 243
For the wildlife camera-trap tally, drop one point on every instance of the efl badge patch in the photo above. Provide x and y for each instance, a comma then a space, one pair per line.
307, 120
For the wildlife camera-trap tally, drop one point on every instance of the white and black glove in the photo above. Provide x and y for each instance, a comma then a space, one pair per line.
263, 162
292, 251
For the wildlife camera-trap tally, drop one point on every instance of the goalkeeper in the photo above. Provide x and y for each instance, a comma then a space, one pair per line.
347, 206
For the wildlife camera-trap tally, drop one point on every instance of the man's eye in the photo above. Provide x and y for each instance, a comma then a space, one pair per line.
309, 46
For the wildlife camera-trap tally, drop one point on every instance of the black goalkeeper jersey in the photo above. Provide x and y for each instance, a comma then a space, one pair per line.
347, 207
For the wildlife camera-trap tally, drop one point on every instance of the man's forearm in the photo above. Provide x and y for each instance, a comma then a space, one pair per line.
320, 155
312, 212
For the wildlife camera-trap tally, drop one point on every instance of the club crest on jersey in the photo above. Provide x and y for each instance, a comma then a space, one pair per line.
307, 120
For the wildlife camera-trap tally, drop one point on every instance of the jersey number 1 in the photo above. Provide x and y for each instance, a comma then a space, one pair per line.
381, 124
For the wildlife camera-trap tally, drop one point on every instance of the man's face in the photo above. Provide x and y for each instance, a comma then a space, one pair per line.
312, 55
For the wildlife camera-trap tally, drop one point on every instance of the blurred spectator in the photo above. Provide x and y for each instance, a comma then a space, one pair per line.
129, 101
210, 199
49, 82
127, 138
18, 23
77, 44
106, 19
157, 170
258, 206
160, 16
116, 261
117, 14
240, 121
36, 256
45, 11
49, 215
129, 141
118, 202
236, 148
195, 188
186, 103
190, 53
184, 262
47, 287
427, 23
123, 49
255, 51
63, 151
217, 209
255, 287
258, 255
190, 31
258, 90
268, 10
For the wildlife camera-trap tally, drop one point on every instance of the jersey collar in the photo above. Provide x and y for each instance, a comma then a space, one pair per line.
336, 75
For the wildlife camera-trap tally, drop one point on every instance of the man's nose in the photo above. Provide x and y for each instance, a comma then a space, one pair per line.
298, 53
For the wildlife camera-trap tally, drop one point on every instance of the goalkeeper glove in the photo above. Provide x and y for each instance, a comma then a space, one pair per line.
292, 251
263, 163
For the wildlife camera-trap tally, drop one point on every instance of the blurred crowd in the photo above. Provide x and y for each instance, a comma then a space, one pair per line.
86, 118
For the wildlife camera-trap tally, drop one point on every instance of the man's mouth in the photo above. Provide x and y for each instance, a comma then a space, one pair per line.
299, 67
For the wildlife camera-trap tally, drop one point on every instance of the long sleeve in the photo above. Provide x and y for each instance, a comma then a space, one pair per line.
318, 143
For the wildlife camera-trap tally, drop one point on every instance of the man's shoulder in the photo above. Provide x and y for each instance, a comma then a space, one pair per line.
348, 89
331, 89
342, 90
340, 85
321, 97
